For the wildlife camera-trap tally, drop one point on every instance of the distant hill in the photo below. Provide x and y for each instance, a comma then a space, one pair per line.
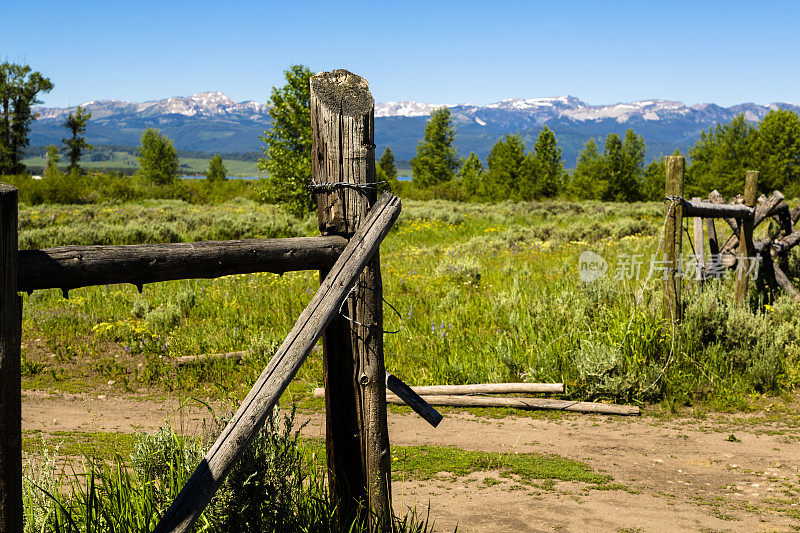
212, 122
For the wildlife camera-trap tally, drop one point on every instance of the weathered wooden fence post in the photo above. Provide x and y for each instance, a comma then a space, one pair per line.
672, 237
715, 261
746, 248
343, 165
10, 352
699, 251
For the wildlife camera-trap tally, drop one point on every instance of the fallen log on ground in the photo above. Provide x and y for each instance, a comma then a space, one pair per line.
489, 388
208, 357
186, 360
530, 404
480, 388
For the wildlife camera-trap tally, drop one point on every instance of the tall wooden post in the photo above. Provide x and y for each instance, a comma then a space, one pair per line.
343, 162
699, 251
10, 380
671, 251
746, 248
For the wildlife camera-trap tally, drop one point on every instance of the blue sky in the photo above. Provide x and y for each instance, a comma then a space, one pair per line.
437, 52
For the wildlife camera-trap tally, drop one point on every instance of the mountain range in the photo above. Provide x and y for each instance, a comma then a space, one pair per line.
213, 122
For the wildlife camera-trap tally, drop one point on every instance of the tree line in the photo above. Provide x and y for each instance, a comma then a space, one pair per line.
614, 172
718, 160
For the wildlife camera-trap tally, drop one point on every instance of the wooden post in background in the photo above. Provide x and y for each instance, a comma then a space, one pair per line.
714, 260
11, 520
699, 241
343, 161
746, 248
676, 165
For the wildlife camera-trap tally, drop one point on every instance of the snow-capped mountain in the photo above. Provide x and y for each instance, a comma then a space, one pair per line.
214, 122
569, 107
207, 104
406, 109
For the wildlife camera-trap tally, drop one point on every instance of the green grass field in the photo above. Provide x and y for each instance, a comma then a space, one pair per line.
484, 293
481, 293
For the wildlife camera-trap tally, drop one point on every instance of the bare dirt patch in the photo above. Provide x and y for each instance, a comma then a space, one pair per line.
719, 473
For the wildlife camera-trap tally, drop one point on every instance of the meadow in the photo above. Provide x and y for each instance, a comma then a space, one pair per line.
481, 293
478, 292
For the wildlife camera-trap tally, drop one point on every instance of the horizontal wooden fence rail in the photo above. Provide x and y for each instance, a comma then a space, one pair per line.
281, 369
713, 210
70, 267
530, 404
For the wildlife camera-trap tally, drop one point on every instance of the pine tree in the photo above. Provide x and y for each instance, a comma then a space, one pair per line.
19, 88
437, 160
387, 165
471, 176
216, 170
549, 164
387, 171
506, 175
588, 181
76, 144
624, 167
158, 161
288, 151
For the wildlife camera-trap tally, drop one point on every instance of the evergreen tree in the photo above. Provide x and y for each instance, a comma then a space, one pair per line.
51, 169
387, 171
437, 160
588, 180
216, 170
720, 158
776, 152
76, 144
158, 161
549, 164
387, 165
615, 168
288, 151
507, 175
471, 176
623, 166
19, 87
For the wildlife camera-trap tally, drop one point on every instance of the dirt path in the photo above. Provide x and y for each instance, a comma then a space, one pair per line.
681, 474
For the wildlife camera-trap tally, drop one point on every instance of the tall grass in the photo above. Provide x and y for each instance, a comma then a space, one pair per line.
278, 485
485, 293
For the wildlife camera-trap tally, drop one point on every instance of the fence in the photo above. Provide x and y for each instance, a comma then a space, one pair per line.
740, 251
353, 222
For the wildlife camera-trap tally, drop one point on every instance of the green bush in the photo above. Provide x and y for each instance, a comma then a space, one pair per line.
77, 188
